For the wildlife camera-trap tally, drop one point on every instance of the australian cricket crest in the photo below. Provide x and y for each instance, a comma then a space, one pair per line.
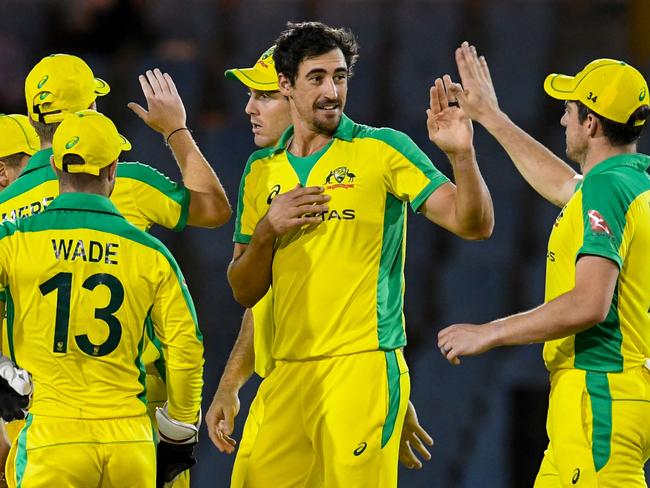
340, 177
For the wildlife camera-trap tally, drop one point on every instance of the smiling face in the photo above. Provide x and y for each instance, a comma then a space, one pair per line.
319, 93
269, 115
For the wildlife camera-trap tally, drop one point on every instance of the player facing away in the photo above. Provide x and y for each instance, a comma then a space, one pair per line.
61, 84
81, 282
334, 403
595, 321
270, 116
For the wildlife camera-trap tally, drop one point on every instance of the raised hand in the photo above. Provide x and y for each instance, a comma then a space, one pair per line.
295, 208
220, 419
165, 111
449, 127
413, 437
477, 96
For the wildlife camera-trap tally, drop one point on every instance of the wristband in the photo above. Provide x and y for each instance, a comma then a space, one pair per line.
174, 132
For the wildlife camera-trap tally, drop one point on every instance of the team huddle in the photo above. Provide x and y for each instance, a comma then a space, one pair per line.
101, 370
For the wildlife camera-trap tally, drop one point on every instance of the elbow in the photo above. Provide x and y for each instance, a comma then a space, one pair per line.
480, 232
219, 217
245, 300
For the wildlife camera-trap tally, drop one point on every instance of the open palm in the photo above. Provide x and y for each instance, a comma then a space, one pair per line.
449, 127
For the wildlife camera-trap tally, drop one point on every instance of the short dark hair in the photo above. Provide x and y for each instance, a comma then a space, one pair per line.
308, 39
14, 160
617, 134
45, 131
80, 180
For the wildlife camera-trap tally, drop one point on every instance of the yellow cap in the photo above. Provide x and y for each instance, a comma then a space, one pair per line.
60, 84
17, 135
611, 88
261, 77
91, 136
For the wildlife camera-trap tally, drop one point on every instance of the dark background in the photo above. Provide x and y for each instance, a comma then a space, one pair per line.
486, 416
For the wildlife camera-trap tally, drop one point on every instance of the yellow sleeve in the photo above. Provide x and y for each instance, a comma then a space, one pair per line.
411, 176
175, 324
248, 212
155, 199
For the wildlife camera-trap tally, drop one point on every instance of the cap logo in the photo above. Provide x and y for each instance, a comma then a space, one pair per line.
592, 97
642, 94
43, 95
42, 82
72, 142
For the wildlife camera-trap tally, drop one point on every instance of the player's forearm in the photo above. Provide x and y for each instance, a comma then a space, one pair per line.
473, 203
564, 316
546, 173
241, 363
184, 381
249, 274
209, 206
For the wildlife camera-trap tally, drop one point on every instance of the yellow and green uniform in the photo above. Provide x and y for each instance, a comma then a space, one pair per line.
143, 195
81, 282
338, 286
599, 411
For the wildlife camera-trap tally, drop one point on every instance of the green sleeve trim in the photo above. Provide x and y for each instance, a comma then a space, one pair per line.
426, 193
601, 409
392, 374
185, 211
603, 251
242, 238
3, 296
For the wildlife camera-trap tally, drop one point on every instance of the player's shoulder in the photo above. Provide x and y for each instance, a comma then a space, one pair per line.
394, 138
27, 183
141, 172
262, 154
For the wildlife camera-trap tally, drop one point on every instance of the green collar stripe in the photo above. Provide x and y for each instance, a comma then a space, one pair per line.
303, 166
640, 162
394, 394
601, 409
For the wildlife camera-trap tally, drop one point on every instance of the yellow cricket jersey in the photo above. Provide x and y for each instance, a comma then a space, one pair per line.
338, 287
608, 216
143, 195
81, 282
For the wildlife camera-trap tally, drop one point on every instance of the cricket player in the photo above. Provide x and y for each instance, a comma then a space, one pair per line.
321, 217
80, 283
594, 323
269, 114
61, 83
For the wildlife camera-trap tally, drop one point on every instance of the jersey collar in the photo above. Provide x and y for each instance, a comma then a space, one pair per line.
344, 131
640, 162
86, 202
37, 161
